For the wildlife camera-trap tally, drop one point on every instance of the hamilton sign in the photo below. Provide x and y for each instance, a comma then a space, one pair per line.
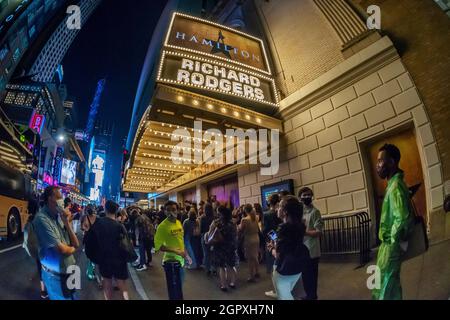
196, 35
226, 80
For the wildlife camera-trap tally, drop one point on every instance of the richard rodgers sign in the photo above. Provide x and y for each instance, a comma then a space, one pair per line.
227, 81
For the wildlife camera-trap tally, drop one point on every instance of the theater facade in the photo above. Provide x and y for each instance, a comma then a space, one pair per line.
333, 89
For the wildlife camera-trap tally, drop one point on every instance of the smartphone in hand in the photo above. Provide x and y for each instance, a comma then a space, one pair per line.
272, 235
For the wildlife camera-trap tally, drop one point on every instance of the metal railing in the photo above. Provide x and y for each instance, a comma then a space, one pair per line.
347, 234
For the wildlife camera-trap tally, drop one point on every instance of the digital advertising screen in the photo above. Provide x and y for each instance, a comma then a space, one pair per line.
268, 190
68, 172
97, 168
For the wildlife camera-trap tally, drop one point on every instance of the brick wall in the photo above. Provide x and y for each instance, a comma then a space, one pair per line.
306, 44
419, 30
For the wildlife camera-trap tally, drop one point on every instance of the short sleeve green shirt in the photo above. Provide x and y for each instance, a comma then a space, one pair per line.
171, 235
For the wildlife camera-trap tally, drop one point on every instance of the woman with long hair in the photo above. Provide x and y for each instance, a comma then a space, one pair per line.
292, 256
262, 241
205, 223
249, 230
224, 248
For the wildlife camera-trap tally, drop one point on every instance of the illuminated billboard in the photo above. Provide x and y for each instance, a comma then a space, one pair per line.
37, 122
97, 166
277, 187
68, 172
196, 35
227, 81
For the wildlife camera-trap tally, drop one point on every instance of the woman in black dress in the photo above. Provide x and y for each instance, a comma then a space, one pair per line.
224, 248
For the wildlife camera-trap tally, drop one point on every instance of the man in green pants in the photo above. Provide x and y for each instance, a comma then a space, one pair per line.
396, 224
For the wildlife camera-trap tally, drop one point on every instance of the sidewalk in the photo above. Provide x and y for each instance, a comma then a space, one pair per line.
424, 278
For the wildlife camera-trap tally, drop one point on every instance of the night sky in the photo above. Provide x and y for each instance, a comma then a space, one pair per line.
112, 44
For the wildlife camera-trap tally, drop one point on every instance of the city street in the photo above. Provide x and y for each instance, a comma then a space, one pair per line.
425, 278
316, 131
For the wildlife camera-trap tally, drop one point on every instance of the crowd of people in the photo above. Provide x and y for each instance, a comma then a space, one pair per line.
207, 235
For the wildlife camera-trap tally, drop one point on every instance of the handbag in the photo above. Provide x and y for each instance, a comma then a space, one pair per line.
215, 237
417, 242
127, 248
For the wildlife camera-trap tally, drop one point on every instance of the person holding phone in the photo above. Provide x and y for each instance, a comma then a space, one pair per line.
57, 244
271, 222
286, 245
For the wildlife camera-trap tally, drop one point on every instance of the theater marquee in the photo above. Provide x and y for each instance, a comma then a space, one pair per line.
201, 74
207, 38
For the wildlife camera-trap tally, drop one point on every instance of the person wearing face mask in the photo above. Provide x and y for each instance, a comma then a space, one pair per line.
314, 226
396, 224
169, 238
271, 223
57, 244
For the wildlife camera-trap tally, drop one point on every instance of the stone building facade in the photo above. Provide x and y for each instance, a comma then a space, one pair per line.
345, 88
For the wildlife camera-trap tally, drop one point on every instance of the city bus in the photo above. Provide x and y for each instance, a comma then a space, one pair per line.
15, 192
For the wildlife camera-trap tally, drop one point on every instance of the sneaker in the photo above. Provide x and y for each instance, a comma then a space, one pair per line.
149, 265
136, 264
44, 295
224, 289
251, 280
141, 268
232, 286
271, 294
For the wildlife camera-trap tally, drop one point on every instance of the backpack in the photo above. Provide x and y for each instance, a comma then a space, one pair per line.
30, 241
91, 245
146, 227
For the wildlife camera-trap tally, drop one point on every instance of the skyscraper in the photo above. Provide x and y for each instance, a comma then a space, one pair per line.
48, 60
21, 24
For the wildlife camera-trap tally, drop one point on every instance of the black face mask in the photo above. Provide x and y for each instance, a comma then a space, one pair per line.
306, 201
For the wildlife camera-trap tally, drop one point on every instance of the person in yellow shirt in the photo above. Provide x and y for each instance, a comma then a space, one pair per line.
169, 238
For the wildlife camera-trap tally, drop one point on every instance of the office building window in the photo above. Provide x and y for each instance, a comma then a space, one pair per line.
3, 52
16, 55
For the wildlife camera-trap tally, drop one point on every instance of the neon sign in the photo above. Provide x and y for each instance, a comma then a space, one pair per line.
37, 122
202, 74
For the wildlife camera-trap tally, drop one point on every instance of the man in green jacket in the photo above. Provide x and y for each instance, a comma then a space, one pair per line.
396, 224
